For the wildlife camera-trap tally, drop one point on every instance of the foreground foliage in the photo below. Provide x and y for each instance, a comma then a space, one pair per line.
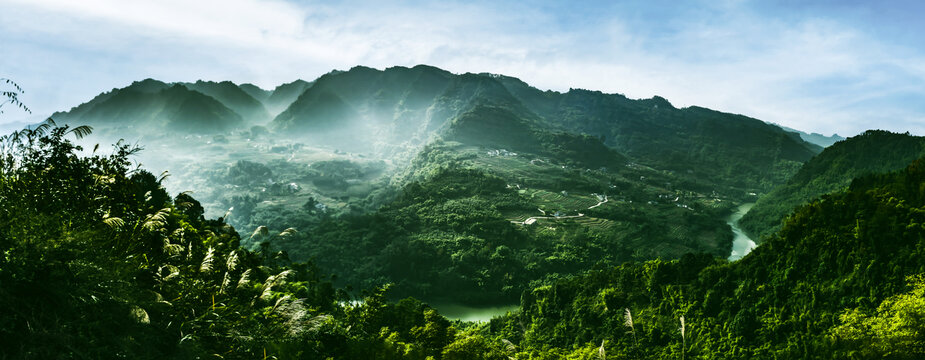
98, 261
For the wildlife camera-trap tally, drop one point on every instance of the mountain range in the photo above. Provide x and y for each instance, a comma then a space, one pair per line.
816, 138
400, 109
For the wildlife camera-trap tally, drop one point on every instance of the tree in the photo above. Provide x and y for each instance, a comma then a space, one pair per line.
11, 96
896, 329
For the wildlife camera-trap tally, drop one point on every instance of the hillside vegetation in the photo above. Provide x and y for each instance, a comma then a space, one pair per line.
843, 278
392, 113
571, 179
874, 151
97, 260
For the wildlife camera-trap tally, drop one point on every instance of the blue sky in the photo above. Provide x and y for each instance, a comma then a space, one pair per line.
822, 66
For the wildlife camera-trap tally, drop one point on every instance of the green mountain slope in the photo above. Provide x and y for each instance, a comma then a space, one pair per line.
830, 284
321, 113
743, 152
256, 92
284, 95
874, 151
737, 152
144, 86
482, 225
498, 127
191, 111
235, 98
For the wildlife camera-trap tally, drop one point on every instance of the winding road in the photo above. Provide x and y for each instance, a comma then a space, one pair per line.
532, 219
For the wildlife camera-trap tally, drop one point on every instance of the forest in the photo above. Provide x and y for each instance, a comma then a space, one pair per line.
100, 261
603, 219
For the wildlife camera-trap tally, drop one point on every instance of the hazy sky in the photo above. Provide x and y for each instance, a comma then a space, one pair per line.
824, 66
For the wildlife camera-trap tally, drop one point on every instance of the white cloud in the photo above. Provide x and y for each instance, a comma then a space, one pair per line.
802, 71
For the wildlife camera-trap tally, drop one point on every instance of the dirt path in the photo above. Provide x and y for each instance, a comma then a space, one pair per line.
599, 203
532, 219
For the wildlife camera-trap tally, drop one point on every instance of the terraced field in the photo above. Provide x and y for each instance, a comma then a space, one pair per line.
569, 204
594, 223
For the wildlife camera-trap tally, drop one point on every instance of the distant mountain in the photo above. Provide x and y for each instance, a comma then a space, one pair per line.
235, 98
723, 147
283, 96
401, 104
146, 86
256, 92
399, 109
154, 105
369, 107
816, 138
874, 151
6, 128
205, 106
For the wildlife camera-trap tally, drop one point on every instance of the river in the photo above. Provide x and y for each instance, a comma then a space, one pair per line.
460, 312
741, 243
466, 313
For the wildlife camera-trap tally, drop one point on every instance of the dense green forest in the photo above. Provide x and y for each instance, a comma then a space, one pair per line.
326, 216
842, 279
464, 223
99, 261
874, 151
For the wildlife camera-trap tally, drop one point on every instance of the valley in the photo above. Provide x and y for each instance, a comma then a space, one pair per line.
378, 161
415, 212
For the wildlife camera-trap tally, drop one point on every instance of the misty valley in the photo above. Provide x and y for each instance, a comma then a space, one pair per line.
421, 214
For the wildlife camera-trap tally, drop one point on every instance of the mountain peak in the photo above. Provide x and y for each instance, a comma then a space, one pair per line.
148, 85
401, 107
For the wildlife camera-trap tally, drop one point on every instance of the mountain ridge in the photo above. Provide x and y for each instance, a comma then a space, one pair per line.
401, 104
873, 151
650, 130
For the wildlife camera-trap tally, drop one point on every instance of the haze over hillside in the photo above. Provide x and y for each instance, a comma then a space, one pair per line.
816, 138
372, 150
400, 109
